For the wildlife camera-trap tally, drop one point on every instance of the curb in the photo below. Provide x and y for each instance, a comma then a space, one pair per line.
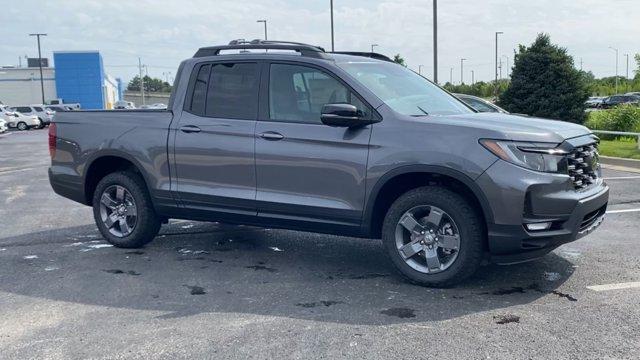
622, 164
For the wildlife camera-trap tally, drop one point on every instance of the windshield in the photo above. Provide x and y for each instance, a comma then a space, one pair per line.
403, 90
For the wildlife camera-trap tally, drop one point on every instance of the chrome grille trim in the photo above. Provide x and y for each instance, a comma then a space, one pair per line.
583, 163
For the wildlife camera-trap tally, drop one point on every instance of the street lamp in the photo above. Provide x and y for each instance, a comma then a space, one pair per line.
373, 45
451, 76
265, 27
435, 41
332, 41
462, 71
40, 63
497, 33
420, 69
616, 50
473, 77
627, 56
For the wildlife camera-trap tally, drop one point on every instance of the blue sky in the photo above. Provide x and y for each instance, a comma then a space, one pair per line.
163, 32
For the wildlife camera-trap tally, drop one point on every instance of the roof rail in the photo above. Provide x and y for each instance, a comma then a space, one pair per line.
241, 44
372, 55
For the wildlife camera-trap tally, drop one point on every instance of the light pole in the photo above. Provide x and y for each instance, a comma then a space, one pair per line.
332, 40
462, 71
373, 45
627, 56
473, 77
40, 63
497, 33
616, 50
265, 27
435, 41
451, 76
420, 69
506, 72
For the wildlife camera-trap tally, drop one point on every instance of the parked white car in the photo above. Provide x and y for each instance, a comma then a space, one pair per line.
122, 104
3, 126
15, 119
45, 115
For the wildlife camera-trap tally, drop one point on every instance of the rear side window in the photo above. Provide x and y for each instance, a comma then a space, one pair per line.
226, 90
233, 91
36, 108
200, 90
23, 109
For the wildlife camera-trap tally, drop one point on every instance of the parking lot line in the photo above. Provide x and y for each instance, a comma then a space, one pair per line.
622, 211
618, 286
622, 178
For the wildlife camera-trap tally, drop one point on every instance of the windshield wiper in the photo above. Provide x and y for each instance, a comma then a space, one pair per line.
423, 111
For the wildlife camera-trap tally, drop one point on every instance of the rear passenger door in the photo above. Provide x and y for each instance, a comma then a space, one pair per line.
214, 139
307, 171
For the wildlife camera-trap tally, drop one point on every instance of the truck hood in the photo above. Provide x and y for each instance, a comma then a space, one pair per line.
520, 127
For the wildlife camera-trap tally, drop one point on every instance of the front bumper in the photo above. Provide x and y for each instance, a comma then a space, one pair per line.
519, 196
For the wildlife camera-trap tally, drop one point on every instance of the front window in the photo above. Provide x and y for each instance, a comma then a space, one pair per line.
403, 90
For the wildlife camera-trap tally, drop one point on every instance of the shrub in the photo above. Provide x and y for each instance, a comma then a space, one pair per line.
545, 83
624, 118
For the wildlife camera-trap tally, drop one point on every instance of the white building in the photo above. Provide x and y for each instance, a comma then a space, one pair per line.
21, 86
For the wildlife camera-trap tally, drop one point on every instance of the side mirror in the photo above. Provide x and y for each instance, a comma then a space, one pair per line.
343, 115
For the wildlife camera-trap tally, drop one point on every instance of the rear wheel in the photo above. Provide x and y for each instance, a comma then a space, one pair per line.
433, 236
42, 125
123, 210
22, 126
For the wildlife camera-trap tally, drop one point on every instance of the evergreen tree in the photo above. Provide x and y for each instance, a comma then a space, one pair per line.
545, 83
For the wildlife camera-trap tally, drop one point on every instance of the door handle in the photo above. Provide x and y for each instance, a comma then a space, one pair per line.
190, 129
272, 136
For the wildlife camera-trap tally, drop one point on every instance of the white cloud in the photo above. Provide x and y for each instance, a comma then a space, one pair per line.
164, 32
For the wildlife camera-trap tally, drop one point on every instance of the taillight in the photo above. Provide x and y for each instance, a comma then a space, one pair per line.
52, 140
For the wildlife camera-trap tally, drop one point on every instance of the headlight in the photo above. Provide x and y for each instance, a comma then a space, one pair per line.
535, 156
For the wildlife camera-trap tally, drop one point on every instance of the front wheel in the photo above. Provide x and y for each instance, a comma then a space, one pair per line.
22, 126
433, 236
123, 210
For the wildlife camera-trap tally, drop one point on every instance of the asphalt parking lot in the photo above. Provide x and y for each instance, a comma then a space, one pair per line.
206, 290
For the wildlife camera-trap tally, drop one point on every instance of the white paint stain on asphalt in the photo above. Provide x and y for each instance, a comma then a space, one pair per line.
51, 268
618, 286
30, 257
3, 249
274, 248
622, 211
14, 193
96, 246
187, 226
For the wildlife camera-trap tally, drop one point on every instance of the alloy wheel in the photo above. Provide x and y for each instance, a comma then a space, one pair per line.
118, 211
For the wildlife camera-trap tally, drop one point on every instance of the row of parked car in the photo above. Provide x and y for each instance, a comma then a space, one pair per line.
607, 102
28, 116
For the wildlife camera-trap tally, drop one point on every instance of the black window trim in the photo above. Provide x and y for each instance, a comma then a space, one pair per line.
264, 91
186, 107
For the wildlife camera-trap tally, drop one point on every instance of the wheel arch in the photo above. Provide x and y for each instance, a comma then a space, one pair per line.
106, 162
400, 180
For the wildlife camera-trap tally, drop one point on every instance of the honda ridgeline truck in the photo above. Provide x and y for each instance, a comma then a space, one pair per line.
351, 144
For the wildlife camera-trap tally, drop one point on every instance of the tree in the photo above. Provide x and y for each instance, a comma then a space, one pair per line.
636, 57
399, 59
150, 85
545, 83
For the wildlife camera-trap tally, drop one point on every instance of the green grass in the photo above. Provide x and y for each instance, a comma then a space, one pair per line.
620, 148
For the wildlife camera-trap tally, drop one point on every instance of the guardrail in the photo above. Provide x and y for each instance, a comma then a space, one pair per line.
622, 133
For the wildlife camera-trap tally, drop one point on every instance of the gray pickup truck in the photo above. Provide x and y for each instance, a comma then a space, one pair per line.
290, 136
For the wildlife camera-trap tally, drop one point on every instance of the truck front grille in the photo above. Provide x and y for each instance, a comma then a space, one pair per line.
582, 165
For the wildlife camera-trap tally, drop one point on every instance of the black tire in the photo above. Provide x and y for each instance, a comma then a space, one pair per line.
42, 125
147, 223
469, 224
22, 126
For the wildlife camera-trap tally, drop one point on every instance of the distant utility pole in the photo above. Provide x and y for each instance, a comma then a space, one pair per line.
435, 41
462, 71
420, 69
497, 33
372, 46
627, 56
473, 77
616, 50
580, 64
141, 80
265, 27
40, 63
451, 76
332, 39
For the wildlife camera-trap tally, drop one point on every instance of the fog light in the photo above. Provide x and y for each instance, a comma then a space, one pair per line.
539, 226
